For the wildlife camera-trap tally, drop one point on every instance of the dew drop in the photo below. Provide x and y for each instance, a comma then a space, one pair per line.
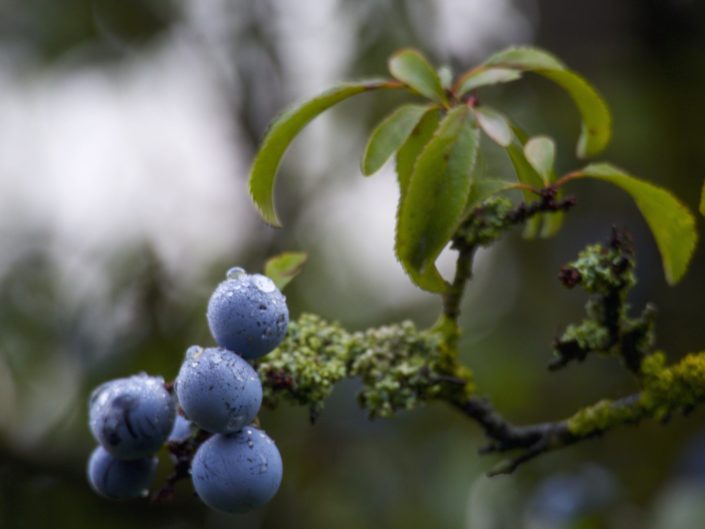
194, 352
237, 373
263, 283
235, 272
250, 442
263, 465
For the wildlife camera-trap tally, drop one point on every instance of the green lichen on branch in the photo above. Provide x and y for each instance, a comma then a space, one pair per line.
305, 367
675, 389
666, 390
399, 365
607, 273
495, 215
487, 222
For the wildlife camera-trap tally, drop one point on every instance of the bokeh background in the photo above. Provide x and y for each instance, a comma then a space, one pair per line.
126, 130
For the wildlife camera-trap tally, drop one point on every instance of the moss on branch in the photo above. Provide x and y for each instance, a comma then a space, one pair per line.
606, 272
399, 366
666, 390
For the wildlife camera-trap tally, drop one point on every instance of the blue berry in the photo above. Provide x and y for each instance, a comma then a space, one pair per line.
218, 390
132, 417
117, 478
181, 430
237, 473
247, 314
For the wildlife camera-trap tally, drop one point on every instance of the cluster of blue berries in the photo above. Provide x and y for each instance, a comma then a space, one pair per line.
238, 467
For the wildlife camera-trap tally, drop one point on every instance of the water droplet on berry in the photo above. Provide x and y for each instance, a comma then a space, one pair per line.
235, 272
263, 283
194, 352
263, 466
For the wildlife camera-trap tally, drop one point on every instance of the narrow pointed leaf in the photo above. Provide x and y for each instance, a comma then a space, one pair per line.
389, 135
435, 199
526, 174
483, 76
671, 223
596, 119
551, 225
281, 133
284, 267
414, 144
540, 151
525, 58
495, 125
412, 69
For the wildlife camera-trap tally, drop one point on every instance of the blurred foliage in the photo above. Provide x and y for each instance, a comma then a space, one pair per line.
418, 470
49, 30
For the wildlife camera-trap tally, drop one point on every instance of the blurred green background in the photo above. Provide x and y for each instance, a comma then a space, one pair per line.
126, 129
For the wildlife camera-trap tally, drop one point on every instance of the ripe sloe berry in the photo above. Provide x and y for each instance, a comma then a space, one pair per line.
247, 314
117, 478
132, 417
237, 473
218, 390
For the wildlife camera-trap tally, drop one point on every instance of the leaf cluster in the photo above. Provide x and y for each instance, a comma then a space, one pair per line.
436, 143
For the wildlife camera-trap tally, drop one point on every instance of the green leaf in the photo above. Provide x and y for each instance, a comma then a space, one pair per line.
524, 58
540, 151
702, 200
414, 144
526, 174
596, 119
532, 228
389, 135
284, 267
495, 125
671, 223
482, 76
412, 69
485, 188
281, 133
552, 223
434, 202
